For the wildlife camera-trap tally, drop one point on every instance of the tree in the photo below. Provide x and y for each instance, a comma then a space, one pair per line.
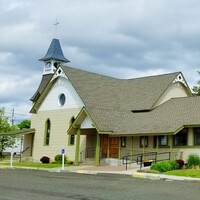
196, 89
5, 141
24, 124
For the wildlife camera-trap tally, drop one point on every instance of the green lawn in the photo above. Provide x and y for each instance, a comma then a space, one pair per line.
36, 165
185, 172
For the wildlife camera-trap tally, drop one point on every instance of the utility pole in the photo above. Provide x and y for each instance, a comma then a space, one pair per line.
13, 117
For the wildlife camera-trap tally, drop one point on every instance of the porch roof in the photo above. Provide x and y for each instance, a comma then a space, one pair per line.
168, 118
23, 131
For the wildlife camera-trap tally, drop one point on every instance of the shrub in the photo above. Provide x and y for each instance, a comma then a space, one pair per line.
45, 159
165, 166
174, 165
181, 163
193, 160
58, 158
70, 162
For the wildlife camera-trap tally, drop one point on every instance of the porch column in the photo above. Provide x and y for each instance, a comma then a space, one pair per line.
170, 145
119, 155
76, 162
108, 148
157, 148
131, 145
143, 148
131, 149
97, 161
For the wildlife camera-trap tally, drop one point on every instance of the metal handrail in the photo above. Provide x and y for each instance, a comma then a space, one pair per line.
82, 155
25, 150
85, 153
139, 158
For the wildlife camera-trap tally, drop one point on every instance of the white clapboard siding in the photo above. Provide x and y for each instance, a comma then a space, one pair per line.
86, 123
64, 86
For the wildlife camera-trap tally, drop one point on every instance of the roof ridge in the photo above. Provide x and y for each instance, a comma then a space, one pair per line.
103, 108
144, 77
121, 79
174, 98
85, 71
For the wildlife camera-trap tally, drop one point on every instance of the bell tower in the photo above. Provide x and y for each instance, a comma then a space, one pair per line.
53, 58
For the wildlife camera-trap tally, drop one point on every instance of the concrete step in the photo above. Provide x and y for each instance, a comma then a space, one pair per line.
27, 159
88, 161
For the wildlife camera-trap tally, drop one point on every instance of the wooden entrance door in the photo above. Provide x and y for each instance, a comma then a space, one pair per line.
114, 147
113, 144
105, 143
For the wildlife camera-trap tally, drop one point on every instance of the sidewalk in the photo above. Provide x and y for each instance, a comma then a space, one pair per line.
90, 169
132, 171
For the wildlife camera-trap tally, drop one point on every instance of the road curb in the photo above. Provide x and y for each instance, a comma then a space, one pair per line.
164, 177
134, 175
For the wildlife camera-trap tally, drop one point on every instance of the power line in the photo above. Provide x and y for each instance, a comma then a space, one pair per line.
17, 114
12, 115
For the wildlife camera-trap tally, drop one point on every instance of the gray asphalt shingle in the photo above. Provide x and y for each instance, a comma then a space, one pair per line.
110, 102
166, 118
121, 94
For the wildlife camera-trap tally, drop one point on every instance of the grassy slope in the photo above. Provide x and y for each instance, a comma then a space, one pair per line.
186, 172
37, 165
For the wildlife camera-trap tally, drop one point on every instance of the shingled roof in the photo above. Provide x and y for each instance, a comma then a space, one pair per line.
164, 119
45, 80
100, 91
105, 92
125, 106
54, 52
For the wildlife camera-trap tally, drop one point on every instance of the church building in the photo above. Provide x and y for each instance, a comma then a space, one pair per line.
99, 118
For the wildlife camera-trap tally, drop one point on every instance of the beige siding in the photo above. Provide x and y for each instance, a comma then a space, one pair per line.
136, 142
185, 152
176, 89
190, 137
58, 136
133, 147
28, 145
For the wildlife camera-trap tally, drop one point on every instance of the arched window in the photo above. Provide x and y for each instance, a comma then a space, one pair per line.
71, 121
71, 138
47, 132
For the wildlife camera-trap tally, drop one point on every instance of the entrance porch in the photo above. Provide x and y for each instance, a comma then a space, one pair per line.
108, 149
26, 137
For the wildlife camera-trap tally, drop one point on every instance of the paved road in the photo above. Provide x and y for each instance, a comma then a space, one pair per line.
43, 185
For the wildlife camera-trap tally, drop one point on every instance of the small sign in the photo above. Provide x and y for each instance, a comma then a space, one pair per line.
62, 150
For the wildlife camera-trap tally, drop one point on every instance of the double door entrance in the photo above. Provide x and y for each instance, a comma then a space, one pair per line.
110, 146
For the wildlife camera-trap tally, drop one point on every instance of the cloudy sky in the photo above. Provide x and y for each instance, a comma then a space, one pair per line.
120, 38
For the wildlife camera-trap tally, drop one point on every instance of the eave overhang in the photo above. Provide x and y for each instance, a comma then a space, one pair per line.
78, 121
19, 132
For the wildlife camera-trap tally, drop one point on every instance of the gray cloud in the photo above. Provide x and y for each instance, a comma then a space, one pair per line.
120, 38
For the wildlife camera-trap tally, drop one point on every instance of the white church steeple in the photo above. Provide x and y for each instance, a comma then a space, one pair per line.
53, 58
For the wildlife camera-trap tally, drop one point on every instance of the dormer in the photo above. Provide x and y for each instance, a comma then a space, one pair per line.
178, 88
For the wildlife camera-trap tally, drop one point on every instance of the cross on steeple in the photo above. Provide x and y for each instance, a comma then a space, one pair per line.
56, 24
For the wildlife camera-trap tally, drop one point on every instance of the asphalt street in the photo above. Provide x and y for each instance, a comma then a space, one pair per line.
43, 185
